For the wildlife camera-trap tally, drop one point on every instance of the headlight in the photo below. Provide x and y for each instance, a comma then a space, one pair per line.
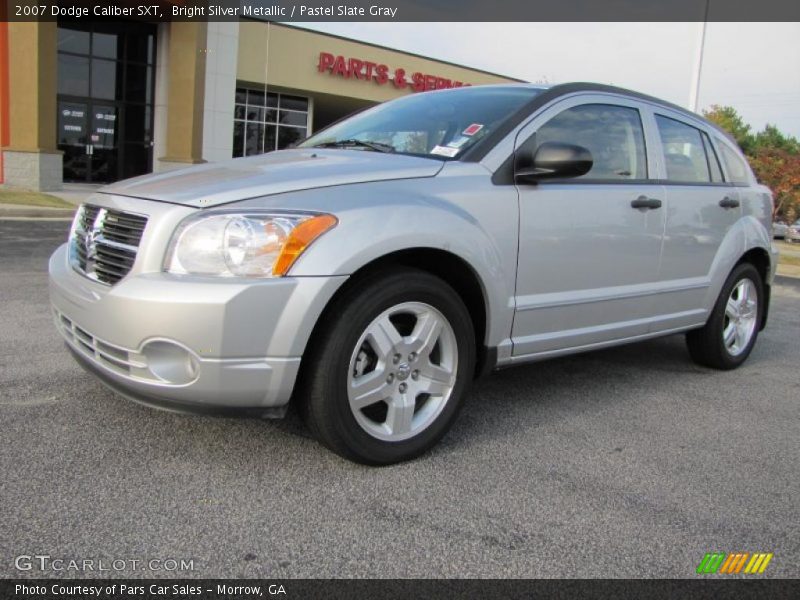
243, 244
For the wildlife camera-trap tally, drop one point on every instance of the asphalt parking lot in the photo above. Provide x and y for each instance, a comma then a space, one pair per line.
629, 462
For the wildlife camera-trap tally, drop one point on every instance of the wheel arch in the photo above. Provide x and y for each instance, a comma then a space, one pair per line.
746, 241
760, 259
447, 266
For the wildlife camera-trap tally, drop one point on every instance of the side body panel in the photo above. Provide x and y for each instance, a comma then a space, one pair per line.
704, 238
588, 260
695, 231
459, 211
700, 248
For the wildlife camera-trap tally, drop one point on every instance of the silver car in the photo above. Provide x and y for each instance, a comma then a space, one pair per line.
786, 232
792, 233
370, 274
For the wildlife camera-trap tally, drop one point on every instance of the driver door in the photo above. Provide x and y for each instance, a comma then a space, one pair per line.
588, 259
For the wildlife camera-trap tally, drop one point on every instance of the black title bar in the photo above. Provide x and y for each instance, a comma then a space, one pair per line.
395, 589
408, 10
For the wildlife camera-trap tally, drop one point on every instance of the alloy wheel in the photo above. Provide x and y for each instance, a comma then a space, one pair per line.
402, 371
741, 313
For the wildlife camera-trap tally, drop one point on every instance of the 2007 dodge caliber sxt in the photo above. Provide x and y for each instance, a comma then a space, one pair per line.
372, 272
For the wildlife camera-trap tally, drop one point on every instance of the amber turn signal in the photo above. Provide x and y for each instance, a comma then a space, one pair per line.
299, 239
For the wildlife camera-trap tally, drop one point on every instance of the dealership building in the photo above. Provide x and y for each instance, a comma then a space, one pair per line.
84, 102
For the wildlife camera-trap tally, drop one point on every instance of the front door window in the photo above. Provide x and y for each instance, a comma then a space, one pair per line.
613, 134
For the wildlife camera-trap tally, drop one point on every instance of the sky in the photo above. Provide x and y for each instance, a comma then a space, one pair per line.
754, 67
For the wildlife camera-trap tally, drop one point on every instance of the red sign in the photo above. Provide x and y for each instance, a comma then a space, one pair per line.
355, 68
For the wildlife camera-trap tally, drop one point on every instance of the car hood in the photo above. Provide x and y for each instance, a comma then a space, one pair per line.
273, 173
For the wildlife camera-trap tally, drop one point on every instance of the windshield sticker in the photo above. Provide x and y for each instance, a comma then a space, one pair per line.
458, 142
472, 129
444, 151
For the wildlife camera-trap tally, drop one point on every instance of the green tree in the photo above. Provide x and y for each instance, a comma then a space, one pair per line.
773, 155
779, 169
772, 139
730, 120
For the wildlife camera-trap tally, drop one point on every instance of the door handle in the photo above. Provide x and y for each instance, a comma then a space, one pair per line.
645, 202
728, 202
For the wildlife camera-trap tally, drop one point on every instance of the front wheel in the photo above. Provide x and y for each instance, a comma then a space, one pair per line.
385, 380
732, 329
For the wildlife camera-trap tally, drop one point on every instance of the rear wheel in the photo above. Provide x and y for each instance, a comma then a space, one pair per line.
385, 380
728, 337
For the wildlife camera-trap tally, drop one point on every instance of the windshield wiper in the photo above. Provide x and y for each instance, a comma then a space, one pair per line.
354, 143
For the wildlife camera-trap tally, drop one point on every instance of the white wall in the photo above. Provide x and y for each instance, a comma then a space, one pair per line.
160, 108
223, 49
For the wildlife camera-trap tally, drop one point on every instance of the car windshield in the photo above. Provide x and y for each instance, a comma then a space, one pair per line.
441, 124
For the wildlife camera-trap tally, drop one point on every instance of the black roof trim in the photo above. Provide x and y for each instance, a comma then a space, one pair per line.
600, 87
479, 151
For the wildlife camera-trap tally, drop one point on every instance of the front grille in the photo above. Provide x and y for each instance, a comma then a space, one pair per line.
104, 242
121, 360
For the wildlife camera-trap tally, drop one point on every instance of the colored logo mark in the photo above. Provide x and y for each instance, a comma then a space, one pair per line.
720, 562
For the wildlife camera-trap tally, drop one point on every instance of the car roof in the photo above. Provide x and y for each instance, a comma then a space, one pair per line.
553, 92
562, 89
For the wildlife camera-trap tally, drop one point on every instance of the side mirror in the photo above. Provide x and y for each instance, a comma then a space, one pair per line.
556, 160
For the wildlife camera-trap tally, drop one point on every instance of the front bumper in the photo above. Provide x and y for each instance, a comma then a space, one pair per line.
187, 343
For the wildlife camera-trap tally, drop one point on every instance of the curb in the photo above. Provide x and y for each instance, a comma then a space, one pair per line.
787, 280
35, 212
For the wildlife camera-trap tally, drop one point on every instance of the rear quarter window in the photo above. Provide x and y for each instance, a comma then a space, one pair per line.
735, 165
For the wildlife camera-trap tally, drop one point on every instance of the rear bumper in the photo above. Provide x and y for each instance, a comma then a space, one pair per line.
190, 344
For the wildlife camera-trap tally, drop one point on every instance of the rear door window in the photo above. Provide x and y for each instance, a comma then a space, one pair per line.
684, 152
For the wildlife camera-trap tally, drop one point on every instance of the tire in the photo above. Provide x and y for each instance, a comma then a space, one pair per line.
403, 340
709, 346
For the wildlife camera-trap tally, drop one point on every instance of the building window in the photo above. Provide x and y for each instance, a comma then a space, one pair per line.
265, 122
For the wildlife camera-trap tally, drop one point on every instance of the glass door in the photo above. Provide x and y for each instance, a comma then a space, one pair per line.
88, 135
73, 139
104, 143
105, 99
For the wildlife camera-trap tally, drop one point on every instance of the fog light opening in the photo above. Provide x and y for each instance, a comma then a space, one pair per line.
170, 362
